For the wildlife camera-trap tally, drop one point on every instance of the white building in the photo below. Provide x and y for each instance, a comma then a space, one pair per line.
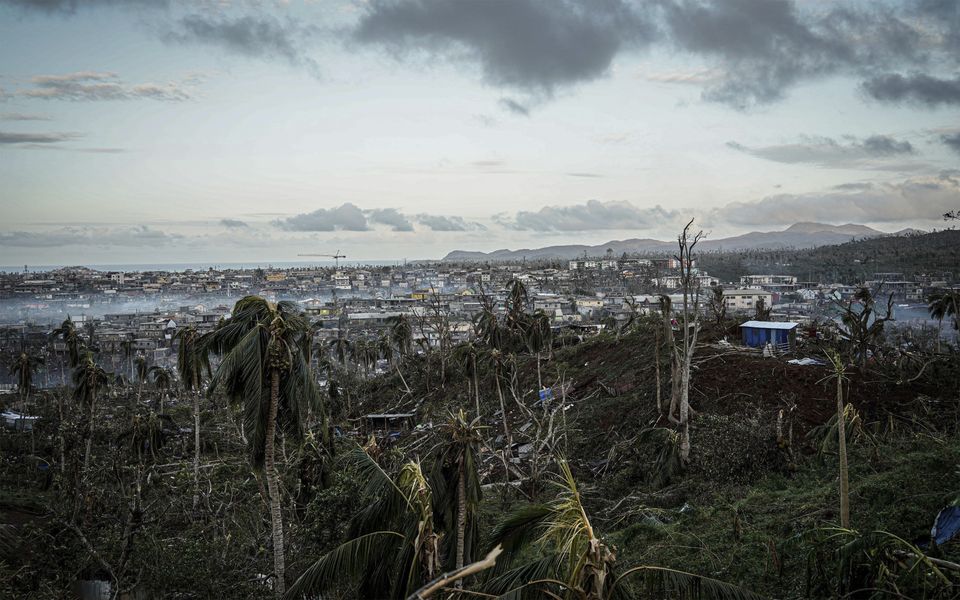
746, 300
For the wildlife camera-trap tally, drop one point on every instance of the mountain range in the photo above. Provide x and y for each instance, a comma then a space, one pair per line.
798, 235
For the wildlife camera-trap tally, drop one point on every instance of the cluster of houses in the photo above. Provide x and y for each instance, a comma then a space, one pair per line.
137, 313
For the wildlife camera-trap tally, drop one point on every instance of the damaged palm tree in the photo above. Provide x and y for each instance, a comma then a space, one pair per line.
394, 549
575, 560
266, 369
839, 374
191, 362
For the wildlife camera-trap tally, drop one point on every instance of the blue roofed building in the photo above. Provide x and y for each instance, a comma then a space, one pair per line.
758, 334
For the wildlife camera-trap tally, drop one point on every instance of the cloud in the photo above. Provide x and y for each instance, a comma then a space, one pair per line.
100, 86
592, 216
391, 217
14, 138
442, 223
23, 117
917, 89
764, 47
515, 107
347, 217
872, 152
260, 36
917, 198
233, 223
952, 140
137, 236
71, 6
529, 45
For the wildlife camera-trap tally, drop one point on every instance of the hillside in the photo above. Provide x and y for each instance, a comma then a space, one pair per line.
909, 254
799, 235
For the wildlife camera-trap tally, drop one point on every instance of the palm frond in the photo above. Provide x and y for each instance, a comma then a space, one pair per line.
350, 561
662, 582
516, 583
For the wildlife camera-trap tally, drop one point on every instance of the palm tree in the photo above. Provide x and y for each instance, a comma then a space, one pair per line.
394, 548
142, 372
88, 379
456, 465
575, 561
466, 355
497, 360
839, 374
517, 300
126, 348
385, 348
71, 338
266, 368
943, 305
23, 368
488, 327
401, 333
162, 381
341, 348
538, 336
191, 362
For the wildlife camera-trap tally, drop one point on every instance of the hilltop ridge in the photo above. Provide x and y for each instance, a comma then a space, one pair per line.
798, 235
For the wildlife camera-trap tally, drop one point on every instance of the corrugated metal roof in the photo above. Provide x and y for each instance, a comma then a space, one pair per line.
769, 325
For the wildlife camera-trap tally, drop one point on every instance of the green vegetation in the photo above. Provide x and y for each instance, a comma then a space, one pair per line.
586, 493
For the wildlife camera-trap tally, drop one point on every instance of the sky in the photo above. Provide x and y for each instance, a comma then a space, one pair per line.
145, 131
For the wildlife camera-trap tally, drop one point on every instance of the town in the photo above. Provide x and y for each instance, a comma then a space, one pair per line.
137, 313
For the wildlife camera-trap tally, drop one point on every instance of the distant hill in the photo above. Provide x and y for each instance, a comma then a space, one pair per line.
799, 235
908, 252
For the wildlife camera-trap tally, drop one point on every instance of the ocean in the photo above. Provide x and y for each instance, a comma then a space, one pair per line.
203, 266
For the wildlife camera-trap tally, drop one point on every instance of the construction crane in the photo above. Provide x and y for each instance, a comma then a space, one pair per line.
335, 256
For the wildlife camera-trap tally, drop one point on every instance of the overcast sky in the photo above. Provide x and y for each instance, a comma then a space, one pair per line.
139, 131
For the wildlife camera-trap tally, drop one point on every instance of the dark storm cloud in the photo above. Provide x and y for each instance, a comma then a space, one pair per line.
873, 152
16, 138
911, 199
137, 236
346, 217
70, 6
952, 141
759, 48
98, 86
767, 46
531, 45
390, 216
442, 223
592, 216
259, 36
233, 223
917, 88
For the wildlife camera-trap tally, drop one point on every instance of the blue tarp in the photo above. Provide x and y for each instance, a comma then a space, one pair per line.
946, 526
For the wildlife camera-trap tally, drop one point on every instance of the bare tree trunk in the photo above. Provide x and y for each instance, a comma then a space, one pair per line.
60, 438
539, 380
273, 485
196, 446
507, 440
89, 440
842, 451
476, 384
461, 513
656, 354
